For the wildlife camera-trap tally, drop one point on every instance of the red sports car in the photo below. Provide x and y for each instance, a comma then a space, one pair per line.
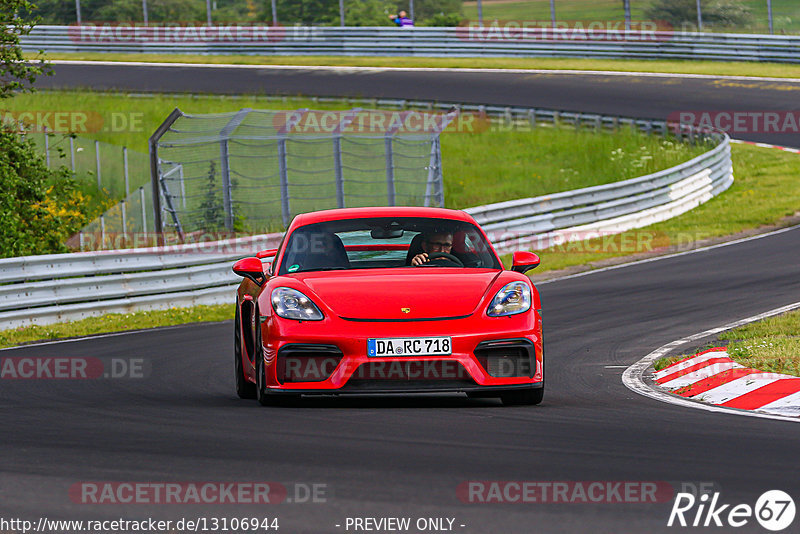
387, 300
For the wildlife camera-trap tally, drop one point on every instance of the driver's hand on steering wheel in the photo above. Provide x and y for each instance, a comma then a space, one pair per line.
419, 259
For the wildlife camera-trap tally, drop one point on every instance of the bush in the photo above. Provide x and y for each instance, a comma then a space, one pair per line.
39, 208
715, 12
442, 19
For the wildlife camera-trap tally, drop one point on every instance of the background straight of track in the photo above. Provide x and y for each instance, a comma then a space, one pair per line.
630, 96
386, 457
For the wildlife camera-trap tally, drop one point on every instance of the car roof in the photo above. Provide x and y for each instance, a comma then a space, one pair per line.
384, 211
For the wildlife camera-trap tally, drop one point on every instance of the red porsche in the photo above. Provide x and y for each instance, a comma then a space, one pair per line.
387, 300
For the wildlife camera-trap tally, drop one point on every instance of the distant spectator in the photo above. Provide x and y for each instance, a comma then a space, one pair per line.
401, 20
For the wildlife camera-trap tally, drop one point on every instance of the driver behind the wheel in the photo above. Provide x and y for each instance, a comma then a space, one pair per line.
433, 242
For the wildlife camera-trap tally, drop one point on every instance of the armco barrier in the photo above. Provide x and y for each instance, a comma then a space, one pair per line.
59, 287
497, 41
609, 208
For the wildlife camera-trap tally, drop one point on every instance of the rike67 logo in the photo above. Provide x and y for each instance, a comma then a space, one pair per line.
774, 510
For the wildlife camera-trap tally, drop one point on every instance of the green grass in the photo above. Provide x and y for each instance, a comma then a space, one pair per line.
764, 191
785, 13
116, 322
771, 345
479, 168
715, 68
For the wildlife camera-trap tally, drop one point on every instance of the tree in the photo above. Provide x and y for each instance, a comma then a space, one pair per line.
308, 12
367, 13
212, 206
39, 208
425, 10
16, 74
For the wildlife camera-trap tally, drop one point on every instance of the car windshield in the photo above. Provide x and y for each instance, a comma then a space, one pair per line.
382, 242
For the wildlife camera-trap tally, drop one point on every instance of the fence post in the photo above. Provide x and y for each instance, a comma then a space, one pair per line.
102, 232
387, 141
154, 169
97, 164
144, 210
125, 168
225, 171
284, 176
337, 170
46, 147
226, 185
72, 153
124, 221
346, 119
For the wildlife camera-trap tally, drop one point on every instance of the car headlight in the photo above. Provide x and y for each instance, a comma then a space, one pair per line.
292, 304
514, 298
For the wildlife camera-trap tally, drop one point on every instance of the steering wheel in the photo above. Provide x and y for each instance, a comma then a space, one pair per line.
442, 259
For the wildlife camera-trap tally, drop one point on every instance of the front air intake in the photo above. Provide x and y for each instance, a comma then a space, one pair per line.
510, 358
306, 362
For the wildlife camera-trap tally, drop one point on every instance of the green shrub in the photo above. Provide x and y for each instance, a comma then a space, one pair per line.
715, 12
39, 208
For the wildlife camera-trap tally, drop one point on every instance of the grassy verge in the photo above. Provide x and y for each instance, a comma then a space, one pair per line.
765, 191
786, 13
716, 68
771, 345
116, 322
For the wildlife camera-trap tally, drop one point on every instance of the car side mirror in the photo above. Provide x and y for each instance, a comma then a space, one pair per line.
252, 269
523, 261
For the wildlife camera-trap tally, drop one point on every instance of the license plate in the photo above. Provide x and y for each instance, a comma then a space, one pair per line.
409, 346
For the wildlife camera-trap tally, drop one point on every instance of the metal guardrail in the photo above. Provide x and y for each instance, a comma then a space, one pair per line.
59, 287
51, 288
610, 208
493, 40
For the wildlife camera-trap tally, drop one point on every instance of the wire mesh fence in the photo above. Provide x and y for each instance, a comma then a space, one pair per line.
114, 170
253, 170
125, 225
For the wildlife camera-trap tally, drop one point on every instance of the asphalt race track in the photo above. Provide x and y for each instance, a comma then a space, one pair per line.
630, 96
406, 457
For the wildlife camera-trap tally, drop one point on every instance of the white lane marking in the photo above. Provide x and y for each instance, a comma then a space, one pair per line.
633, 377
344, 68
691, 362
741, 386
669, 256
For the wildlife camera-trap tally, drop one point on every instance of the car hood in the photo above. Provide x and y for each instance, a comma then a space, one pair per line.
405, 293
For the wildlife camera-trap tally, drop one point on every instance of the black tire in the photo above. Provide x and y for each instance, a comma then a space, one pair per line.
264, 399
523, 397
244, 388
